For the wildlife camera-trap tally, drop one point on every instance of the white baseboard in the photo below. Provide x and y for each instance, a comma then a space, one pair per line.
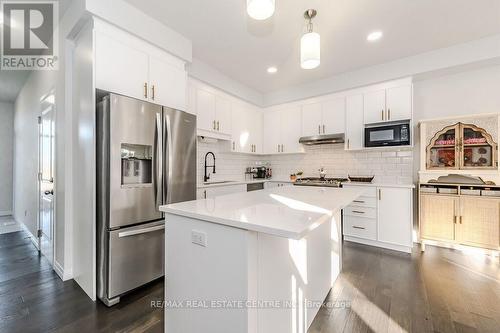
370, 242
64, 275
5, 212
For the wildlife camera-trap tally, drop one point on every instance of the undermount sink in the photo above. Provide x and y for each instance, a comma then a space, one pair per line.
219, 182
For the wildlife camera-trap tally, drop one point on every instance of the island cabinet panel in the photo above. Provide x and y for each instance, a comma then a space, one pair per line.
438, 214
479, 222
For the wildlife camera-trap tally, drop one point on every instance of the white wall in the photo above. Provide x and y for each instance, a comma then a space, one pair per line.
470, 92
6, 157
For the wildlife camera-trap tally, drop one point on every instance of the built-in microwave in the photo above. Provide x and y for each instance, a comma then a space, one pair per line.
388, 135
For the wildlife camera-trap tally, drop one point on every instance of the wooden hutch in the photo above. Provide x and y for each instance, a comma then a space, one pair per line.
465, 211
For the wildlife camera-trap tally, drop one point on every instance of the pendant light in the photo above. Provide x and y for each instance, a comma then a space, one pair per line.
310, 44
260, 9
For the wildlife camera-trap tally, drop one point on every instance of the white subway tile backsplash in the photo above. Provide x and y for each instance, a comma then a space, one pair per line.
387, 166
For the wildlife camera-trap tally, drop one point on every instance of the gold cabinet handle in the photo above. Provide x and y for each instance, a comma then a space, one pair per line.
145, 90
234, 146
356, 227
379, 194
153, 92
278, 147
323, 129
382, 114
348, 143
455, 219
319, 129
358, 201
460, 219
388, 114
358, 212
213, 125
282, 148
217, 125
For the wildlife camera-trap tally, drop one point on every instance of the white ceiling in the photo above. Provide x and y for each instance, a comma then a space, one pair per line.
226, 38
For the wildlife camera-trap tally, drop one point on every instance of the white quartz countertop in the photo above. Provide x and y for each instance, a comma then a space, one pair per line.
240, 182
290, 211
378, 184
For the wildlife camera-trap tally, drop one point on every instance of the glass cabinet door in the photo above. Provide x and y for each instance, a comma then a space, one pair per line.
477, 150
442, 152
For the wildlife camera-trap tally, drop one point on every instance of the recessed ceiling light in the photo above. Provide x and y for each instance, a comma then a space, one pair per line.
272, 70
373, 36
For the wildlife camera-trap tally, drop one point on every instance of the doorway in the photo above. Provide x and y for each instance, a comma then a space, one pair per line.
46, 173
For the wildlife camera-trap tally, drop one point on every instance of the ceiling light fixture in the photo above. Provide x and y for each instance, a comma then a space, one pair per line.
374, 36
310, 44
272, 70
260, 9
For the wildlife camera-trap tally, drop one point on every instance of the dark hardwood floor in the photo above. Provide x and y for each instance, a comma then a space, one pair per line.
437, 291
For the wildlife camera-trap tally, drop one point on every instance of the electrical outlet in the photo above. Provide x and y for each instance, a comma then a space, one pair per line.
199, 238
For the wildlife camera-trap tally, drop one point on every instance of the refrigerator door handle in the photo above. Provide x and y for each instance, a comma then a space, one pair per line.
140, 231
157, 162
167, 160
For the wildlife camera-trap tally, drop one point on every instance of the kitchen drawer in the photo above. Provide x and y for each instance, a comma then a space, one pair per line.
368, 191
368, 212
364, 202
361, 227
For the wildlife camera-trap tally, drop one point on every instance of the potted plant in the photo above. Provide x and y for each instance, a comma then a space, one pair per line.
293, 177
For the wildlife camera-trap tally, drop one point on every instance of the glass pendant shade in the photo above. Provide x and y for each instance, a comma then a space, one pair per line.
310, 49
260, 9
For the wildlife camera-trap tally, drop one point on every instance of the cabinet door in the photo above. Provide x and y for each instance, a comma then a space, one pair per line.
223, 115
398, 103
333, 116
479, 222
311, 119
272, 132
437, 217
240, 129
291, 129
254, 118
168, 84
354, 122
374, 107
205, 110
395, 216
113, 60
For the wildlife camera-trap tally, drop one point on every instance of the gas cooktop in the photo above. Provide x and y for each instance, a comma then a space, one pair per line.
316, 181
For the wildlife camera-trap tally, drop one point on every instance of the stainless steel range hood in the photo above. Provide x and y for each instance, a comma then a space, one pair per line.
322, 139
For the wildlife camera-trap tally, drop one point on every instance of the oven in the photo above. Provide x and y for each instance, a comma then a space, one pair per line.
388, 135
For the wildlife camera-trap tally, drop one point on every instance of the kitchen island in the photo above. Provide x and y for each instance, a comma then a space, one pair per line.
260, 261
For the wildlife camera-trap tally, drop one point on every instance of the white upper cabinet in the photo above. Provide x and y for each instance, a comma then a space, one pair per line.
132, 67
213, 110
391, 104
374, 107
311, 119
334, 116
324, 118
205, 110
354, 122
291, 129
272, 132
112, 60
240, 129
223, 115
254, 118
282, 130
167, 84
398, 103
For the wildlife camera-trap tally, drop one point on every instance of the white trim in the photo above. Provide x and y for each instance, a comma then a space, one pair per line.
378, 244
65, 275
459, 247
32, 237
5, 212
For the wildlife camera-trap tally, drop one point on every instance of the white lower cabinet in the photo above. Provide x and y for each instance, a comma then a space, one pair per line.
276, 184
382, 217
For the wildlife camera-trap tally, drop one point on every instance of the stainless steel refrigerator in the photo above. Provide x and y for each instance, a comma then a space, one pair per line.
146, 157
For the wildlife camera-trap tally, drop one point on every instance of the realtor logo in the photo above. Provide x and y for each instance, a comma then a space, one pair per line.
29, 35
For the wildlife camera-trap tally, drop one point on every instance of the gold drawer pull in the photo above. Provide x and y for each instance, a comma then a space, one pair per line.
358, 201
358, 211
356, 227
